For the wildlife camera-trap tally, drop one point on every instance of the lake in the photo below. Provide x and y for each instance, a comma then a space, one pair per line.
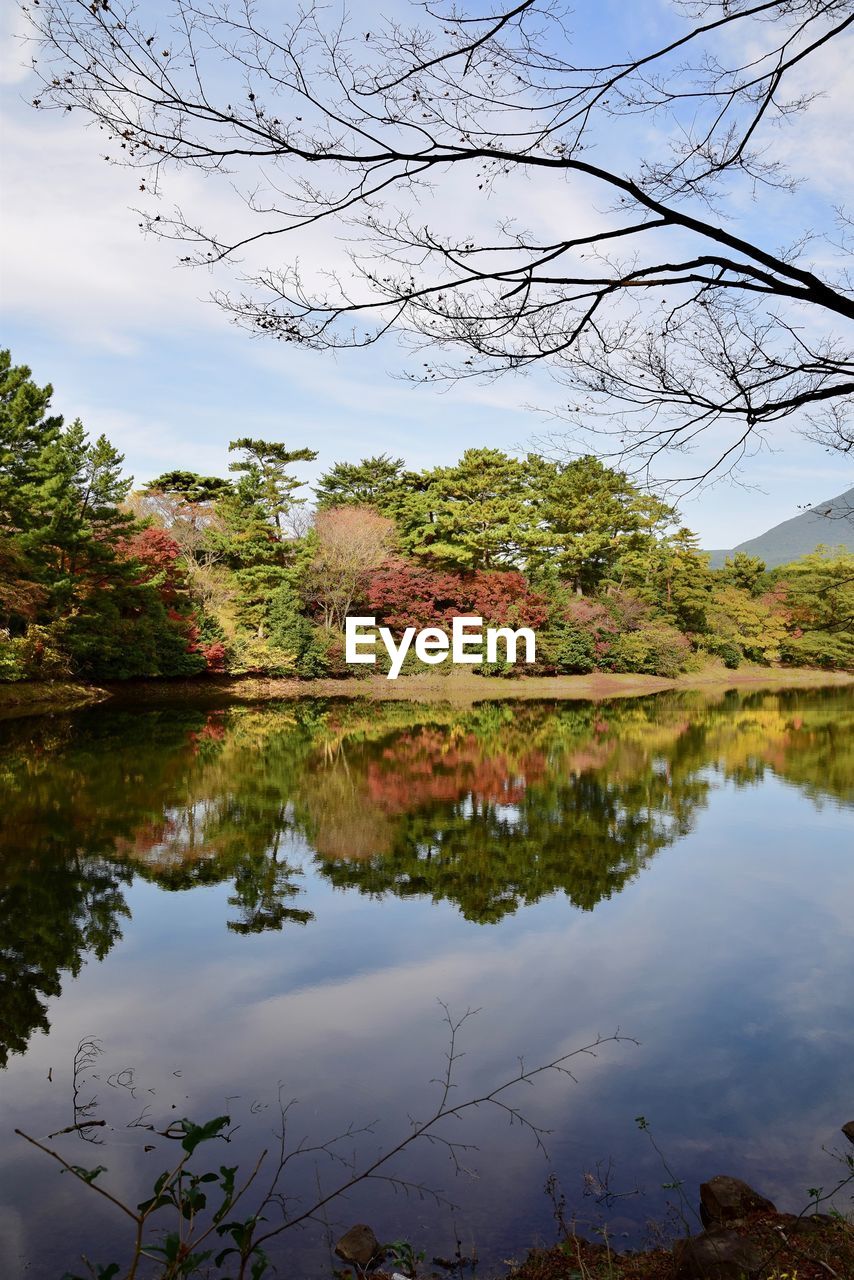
216, 909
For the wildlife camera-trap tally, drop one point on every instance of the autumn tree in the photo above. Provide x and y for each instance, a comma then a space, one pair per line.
661, 303
349, 542
406, 594
185, 504
20, 597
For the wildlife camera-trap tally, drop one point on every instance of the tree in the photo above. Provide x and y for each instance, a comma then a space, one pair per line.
252, 537
662, 298
743, 571
185, 504
26, 432
158, 554
60, 493
88, 590
265, 480
291, 634
818, 593
404, 594
20, 597
481, 513
189, 487
349, 542
673, 575
373, 482
593, 514
87, 520
756, 625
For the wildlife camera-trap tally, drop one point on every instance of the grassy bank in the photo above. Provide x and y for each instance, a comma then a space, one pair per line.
25, 697
461, 687
773, 1247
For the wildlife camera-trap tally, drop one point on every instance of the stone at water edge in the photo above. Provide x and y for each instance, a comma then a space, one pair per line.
725, 1199
359, 1246
848, 1130
718, 1254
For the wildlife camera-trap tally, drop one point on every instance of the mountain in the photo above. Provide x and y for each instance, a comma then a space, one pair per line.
829, 523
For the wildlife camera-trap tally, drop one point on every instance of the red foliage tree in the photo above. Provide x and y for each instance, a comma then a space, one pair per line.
596, 620
157, 552
403, 595
505, 598
160, 557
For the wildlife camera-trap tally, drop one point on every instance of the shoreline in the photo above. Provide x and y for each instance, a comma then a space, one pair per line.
463, 689
735, 1233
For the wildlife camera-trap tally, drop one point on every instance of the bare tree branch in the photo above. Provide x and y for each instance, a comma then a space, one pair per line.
695, 326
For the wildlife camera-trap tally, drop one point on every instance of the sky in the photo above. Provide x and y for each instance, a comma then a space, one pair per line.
134, 346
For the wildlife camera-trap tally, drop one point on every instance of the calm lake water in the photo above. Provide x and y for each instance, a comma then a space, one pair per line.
238, 901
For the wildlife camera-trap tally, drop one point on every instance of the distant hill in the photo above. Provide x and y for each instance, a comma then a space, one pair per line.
830, 523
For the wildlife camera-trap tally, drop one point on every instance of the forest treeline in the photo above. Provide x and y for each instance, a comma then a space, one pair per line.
242, 574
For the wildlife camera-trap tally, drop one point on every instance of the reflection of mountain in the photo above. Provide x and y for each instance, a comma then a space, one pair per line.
490, 808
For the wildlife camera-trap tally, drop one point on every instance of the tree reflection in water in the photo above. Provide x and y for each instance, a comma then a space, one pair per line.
489, 808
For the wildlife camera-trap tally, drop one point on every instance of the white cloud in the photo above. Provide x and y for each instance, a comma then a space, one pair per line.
74, 259
78, 272
14, 66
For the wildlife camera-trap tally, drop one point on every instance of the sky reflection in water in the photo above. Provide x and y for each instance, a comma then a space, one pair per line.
281, 893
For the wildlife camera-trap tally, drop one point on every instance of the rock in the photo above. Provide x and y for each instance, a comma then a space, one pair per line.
359, 1246
812, 1224
725, 1199
848, 1130
718, 1254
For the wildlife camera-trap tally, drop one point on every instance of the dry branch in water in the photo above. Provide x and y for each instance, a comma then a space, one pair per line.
188, 1196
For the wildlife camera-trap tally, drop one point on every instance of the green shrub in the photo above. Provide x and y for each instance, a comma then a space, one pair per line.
570, 650
290, 632
656, 649
503, 668
248, 654
106, 642
11, 667
727, 650
730, 656
412, 664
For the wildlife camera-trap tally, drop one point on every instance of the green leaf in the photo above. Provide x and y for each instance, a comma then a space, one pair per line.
259, 1265
87, 1175
197, 1133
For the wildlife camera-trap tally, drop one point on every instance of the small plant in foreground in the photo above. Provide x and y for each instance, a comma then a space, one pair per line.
214, 1223
404, 1256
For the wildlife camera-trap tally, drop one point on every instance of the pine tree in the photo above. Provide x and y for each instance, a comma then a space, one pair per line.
373, 482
